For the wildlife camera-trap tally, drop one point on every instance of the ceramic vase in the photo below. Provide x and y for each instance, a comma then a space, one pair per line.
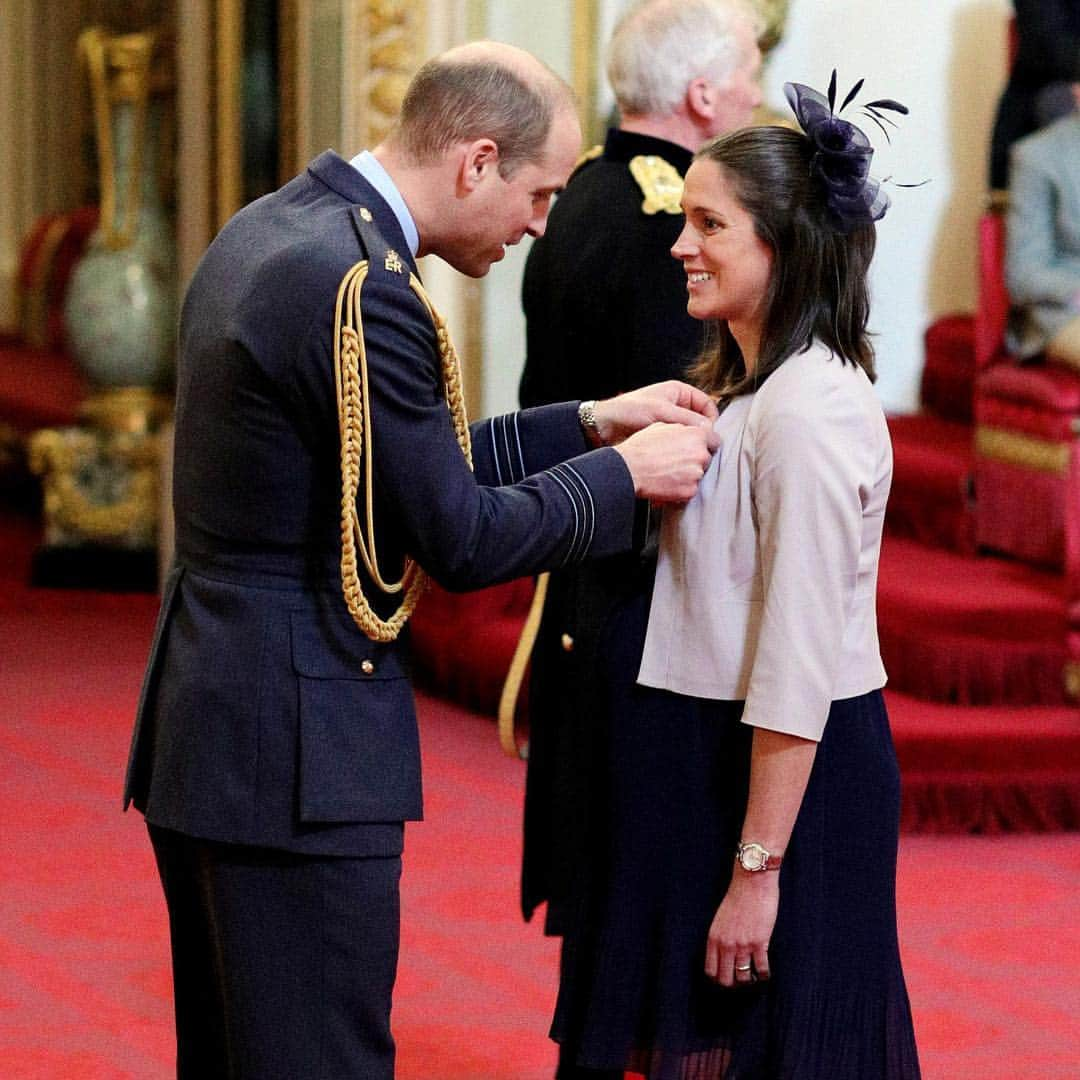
120, 310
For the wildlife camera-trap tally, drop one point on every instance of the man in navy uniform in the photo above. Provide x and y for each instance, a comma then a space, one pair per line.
605, 307
319, 442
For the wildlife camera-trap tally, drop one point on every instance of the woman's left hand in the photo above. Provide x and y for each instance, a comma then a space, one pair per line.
737, 951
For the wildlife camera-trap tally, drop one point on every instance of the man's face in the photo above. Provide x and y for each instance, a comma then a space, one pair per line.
500, 211
740, 95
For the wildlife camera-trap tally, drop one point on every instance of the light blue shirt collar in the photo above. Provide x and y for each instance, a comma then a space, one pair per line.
368, 166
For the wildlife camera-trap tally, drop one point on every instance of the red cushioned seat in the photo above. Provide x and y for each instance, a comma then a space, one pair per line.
38, 387
948, 378
1042, 399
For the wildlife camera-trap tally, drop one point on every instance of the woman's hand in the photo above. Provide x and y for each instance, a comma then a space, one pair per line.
737, 951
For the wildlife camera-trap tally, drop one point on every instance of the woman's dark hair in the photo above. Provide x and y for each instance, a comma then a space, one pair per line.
818, 288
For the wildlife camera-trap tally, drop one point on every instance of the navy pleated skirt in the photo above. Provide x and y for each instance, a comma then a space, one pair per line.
668, 802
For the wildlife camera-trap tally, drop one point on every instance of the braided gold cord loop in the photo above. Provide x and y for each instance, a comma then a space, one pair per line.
519, 664
451, 371
357, 448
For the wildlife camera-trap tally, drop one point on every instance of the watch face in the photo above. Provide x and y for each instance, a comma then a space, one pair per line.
753, 857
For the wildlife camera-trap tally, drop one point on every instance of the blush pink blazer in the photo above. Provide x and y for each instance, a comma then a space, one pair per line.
766, 584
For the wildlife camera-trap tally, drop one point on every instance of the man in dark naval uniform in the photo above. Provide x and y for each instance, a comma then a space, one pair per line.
605, 304
319, 441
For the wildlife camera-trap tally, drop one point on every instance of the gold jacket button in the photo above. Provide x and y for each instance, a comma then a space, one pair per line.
567, 643
367, 667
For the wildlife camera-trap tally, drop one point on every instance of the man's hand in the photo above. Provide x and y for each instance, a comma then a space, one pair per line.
667, 461
669, 402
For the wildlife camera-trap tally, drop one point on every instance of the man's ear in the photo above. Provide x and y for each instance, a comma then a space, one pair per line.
701, 98
479, 160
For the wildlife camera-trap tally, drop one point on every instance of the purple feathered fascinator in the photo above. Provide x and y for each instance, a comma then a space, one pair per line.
842, 152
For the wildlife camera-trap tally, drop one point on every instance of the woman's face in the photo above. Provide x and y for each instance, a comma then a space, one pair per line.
728, 267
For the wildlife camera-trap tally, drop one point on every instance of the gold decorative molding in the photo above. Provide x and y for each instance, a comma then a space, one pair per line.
75, 514
584, 65
472, 353
1027, 451
774, 16
228, 109
383, 44
291, 159
131, 410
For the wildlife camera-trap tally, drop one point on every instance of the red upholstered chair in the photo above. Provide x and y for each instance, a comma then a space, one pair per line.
39, 384
1027, 442
1027, 419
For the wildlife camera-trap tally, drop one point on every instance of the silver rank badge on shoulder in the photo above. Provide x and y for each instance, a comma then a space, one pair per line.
393, 262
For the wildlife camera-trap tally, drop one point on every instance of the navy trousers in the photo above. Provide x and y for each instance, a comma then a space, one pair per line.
283, 964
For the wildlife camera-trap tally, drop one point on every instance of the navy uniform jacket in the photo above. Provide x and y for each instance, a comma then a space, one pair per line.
605, 304
267, 717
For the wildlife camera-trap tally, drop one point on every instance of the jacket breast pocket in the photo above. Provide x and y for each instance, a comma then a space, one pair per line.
359, 745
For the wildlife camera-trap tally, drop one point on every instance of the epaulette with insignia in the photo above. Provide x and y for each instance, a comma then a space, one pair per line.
375, 246
588, 155
660, 183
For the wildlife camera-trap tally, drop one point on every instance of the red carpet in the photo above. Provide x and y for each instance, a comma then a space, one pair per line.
988, 926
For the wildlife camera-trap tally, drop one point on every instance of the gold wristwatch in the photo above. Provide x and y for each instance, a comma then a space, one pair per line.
753, 857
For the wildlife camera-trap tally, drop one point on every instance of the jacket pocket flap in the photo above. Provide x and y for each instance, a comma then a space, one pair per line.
322, 653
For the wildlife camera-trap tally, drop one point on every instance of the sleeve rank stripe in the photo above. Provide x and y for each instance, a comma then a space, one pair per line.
577, 491
574, 498
495, 451
506, 448
588, 505
517, 442
505, 425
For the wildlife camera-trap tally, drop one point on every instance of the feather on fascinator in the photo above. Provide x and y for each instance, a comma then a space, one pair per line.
842, 152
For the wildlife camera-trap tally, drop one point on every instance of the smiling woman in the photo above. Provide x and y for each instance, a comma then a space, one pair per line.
737, 915
728, 266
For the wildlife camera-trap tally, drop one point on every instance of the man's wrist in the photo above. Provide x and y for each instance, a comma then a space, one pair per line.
589, 426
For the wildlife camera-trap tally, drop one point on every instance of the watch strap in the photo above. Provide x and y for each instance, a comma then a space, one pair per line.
754, 857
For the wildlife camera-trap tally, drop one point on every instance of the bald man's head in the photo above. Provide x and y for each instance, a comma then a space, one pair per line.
484, 89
